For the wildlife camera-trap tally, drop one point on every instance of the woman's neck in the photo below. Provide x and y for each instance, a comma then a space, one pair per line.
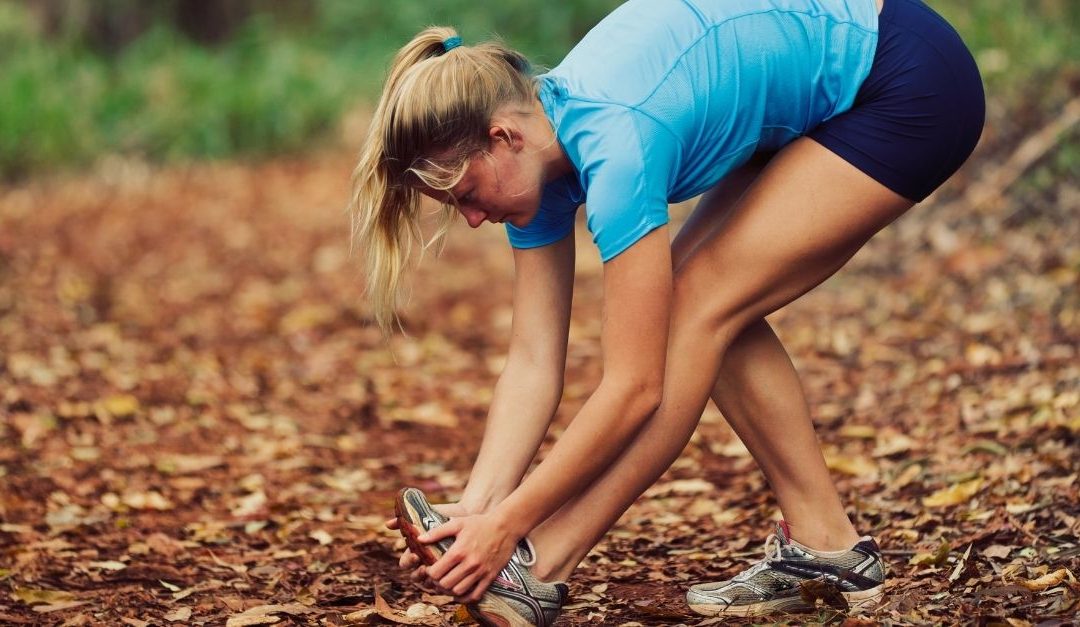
552, 158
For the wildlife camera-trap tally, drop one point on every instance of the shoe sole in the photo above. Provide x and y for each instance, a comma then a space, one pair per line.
406, 514
860, 601
492, 611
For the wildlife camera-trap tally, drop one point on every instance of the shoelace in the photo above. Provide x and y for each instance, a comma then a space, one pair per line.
772, 554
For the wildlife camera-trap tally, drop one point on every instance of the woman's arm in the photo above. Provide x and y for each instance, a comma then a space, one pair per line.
530, 386
637, 300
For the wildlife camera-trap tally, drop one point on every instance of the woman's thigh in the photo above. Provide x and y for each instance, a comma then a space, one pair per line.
799, 221
715, 205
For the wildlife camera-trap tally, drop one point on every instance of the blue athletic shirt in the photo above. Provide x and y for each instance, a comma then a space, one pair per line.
663, 98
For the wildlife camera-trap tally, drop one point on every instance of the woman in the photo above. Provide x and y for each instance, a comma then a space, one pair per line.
807, 125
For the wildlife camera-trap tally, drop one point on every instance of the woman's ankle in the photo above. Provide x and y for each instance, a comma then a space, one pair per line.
826, 538
553, 563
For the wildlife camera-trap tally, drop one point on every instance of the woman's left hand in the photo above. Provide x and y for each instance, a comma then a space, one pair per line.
482, 547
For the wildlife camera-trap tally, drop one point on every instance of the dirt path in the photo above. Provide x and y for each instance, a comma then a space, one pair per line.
197, 420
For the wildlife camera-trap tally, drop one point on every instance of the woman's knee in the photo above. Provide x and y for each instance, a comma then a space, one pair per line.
710, 309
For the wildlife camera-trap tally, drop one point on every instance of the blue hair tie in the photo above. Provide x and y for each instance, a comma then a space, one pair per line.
450, 43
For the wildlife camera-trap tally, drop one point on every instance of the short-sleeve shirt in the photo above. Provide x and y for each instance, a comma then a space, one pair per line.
663, 98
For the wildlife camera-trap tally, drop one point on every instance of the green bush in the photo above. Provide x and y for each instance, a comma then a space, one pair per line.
279, 83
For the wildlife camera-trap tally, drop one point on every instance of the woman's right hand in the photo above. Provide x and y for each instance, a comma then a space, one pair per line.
408, 559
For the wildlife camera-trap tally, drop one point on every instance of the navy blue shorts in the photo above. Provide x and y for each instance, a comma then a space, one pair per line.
920, 111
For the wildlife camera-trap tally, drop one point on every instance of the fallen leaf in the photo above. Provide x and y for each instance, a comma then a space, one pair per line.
422, 614
264, 614
430, 414
146, 500
1048, 580
249, 504
321, 536
862, 432
31, 596
179, 614
856, 466
954, 495
680, 486
937, 558
997, 551
437, 600
58, 607
813, 590
120, 405
960, 564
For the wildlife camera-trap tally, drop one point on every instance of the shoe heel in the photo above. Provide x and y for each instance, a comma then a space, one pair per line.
864, 600
405, 515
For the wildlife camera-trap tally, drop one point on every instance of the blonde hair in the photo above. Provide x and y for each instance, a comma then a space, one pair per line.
433, 116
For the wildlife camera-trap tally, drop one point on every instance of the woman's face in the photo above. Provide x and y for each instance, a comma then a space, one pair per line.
503, 185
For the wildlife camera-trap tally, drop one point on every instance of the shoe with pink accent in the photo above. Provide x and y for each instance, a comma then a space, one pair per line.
515, 599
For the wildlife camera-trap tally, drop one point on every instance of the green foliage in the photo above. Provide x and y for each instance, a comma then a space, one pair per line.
1017, 42
280, 83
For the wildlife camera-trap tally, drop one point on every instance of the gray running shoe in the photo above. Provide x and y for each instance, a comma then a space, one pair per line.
792, 577
514, 599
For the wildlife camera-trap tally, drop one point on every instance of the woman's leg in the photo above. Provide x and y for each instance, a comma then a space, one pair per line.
761, 397
799, 222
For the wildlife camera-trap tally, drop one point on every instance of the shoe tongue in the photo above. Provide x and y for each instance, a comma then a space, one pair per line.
525, 553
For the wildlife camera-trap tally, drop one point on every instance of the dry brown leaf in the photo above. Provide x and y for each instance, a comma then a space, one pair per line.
813, 590
431, 414
417, 614
264, 614
120, 405
147, 500
859, 432
1049, 580
31, 596
680, 486
854, 465
58, 607
179, 614
937, 558
321, 536
954, 495
997, 551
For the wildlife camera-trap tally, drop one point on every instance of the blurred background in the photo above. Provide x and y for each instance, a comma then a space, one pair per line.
190, 79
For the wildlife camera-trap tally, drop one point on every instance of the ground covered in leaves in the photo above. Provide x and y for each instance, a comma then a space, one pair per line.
199, 425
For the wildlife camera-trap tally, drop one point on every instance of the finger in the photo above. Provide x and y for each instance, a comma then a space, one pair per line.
480, 588
467, 584
391, 523
446, 530
420, 574
408, 559
444, 565
451, 579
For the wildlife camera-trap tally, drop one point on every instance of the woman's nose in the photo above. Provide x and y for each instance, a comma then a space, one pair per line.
474, 217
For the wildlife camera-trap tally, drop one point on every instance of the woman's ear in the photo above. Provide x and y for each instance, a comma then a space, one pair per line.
506, 133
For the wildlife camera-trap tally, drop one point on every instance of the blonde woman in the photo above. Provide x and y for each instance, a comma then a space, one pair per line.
806, 126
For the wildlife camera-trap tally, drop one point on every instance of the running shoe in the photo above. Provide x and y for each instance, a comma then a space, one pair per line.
792, 577
515, 599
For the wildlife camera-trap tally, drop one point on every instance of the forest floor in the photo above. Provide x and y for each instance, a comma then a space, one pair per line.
200, 425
